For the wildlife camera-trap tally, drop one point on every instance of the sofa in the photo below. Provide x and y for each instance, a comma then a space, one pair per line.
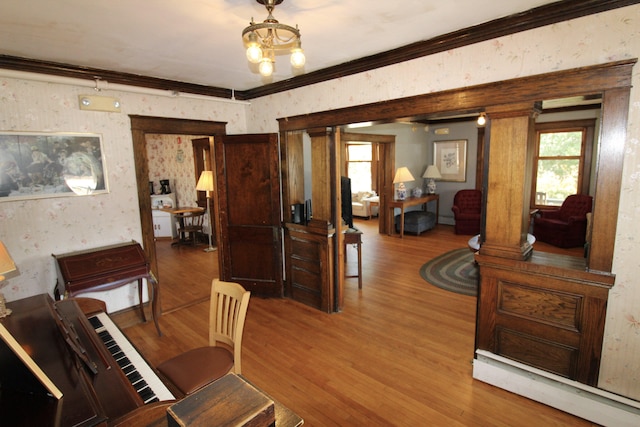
361, 204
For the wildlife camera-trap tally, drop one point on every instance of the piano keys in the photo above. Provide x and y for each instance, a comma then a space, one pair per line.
88, 399
105, 268
138, 372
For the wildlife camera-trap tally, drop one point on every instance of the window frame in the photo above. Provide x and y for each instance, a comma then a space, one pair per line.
587, 127
371, 162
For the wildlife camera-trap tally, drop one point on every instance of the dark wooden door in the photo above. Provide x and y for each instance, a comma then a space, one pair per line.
249, 218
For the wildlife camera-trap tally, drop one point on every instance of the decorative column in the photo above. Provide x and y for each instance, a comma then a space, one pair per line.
510, 144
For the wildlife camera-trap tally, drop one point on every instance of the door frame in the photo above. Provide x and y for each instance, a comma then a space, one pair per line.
140, 126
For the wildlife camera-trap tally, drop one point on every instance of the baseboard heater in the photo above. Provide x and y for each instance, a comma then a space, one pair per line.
583, 401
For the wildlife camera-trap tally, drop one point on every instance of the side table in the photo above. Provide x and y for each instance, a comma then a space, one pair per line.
410, 201
354, 238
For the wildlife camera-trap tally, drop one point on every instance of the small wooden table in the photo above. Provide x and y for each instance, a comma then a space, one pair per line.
410, 201
180, 213
354, 238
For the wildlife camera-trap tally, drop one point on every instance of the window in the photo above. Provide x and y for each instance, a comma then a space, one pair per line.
562, 161
359, 163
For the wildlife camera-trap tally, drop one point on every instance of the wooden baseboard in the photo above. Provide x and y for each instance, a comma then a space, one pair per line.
586, 402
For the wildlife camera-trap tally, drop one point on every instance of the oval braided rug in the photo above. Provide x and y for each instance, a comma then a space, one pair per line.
454, 271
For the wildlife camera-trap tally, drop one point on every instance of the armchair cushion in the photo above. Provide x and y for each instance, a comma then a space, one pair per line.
467, 210
566, 226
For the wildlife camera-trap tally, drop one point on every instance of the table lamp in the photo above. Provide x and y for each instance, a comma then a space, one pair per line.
205, 183
6, 266
402, 175
432, 173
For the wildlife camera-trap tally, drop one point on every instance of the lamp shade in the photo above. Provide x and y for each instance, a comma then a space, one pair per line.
432, 172
6, 262
205, 183
403, 175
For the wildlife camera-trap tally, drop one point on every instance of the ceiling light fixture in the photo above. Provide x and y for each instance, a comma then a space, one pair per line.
267, 39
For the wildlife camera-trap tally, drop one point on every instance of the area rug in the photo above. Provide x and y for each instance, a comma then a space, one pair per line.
454, 271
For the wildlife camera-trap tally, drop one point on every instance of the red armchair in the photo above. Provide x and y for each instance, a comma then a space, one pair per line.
467, 208
565, 227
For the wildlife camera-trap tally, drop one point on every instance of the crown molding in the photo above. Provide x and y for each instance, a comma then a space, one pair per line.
534, 18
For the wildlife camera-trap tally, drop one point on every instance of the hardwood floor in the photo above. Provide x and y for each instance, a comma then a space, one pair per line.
178, 289
400, 353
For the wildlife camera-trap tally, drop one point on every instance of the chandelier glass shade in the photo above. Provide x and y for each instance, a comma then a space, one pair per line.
267, 39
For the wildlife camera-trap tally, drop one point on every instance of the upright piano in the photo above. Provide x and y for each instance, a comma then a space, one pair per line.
100, 374
105, 268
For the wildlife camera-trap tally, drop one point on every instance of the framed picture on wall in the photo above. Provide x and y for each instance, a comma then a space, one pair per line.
39, 165
451, 159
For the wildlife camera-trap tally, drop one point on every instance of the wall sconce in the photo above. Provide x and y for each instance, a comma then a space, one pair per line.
99, 103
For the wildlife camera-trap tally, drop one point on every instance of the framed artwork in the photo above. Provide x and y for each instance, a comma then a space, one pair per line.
39, 165
451, 159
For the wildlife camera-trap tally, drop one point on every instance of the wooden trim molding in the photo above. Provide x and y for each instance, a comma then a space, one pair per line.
611, 80
140, 126
534, 18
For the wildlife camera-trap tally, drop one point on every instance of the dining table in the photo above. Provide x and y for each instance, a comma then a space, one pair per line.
180, 213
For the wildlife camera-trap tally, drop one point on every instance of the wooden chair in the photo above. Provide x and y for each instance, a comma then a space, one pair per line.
191, 225
194, 369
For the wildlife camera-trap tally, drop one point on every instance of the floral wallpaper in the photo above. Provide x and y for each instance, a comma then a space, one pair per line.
34, 229
171, 157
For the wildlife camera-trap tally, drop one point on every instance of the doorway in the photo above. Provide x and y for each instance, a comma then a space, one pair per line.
140, 127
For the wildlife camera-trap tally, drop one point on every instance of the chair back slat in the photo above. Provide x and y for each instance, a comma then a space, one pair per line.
228, 310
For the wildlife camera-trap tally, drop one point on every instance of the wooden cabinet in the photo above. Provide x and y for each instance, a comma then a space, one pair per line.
311, 250
310, 265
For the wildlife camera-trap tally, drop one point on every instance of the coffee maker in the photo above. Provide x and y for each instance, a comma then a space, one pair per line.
164, 186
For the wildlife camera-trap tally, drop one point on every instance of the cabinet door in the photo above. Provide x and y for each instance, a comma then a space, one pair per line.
162, 226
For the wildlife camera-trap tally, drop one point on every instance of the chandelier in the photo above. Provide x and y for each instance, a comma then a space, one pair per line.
265, 40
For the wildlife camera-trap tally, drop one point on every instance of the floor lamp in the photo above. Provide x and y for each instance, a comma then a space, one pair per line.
205, 183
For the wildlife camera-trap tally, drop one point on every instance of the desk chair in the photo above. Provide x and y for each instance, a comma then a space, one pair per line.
194, 369
191, 224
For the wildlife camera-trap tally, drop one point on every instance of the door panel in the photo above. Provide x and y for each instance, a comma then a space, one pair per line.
249, 212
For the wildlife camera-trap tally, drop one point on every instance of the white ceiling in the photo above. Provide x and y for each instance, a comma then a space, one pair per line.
199, 41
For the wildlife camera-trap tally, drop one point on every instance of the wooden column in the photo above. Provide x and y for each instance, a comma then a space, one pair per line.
311, 248
511, 145
321, 190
